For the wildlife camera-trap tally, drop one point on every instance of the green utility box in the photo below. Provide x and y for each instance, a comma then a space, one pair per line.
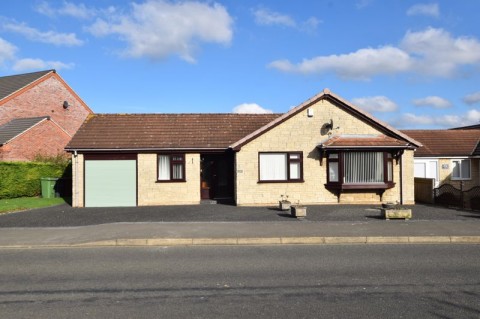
48, 187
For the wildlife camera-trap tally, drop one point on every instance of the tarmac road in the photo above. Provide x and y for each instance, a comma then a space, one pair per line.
346, 281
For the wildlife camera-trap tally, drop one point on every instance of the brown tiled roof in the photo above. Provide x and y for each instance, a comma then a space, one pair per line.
165, 131
446, 143
363, 141
13, 83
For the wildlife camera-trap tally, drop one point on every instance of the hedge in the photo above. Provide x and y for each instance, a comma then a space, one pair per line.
22, 179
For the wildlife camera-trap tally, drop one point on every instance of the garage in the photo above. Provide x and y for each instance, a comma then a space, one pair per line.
110, 180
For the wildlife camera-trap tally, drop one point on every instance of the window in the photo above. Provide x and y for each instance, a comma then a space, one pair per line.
461, 169
333, 168
360, 170
363, 167
171, 168
280, 167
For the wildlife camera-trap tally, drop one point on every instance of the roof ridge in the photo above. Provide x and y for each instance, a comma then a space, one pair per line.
29, 73
153, 114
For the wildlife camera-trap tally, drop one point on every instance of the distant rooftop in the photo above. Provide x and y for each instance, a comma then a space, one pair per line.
12, 83
15, 127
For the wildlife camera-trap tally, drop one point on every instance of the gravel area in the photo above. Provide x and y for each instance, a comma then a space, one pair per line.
66, 216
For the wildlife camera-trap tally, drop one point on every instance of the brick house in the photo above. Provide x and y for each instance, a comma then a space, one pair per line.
323, 151
39, 113
448, 156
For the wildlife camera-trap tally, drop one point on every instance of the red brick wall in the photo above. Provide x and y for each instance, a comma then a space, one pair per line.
45, 138
46, 99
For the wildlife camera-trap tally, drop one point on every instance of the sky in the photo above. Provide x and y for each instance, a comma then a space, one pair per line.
412, 64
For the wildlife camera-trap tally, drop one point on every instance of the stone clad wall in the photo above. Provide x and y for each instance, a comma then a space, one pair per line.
303, 133
150, 192
445, 174
77, 180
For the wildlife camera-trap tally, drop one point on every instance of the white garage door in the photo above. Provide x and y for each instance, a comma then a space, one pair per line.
110, 182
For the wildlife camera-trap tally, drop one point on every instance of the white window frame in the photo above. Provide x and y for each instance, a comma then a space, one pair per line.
428, 162
461, 177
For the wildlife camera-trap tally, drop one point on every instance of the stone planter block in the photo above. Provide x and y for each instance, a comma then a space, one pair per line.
298, 211
284, 205
395, 213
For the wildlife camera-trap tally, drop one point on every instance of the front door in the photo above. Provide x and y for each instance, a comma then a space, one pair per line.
217, 176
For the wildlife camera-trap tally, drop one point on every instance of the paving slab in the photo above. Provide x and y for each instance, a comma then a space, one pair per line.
224, 233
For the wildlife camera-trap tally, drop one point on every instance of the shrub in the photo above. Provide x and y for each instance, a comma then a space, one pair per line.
22, 179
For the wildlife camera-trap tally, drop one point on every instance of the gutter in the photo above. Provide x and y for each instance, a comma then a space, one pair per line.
68, 149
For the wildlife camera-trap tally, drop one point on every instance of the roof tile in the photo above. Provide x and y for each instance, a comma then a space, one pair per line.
11, 129
163, 131
13, 83
445, 142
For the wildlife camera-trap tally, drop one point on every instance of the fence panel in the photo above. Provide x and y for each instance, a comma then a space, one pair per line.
472, 198
424, 190
448, 195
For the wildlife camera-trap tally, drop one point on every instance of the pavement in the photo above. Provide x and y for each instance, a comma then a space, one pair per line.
64, 226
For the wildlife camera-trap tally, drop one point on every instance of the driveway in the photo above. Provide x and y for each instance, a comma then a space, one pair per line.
66, 216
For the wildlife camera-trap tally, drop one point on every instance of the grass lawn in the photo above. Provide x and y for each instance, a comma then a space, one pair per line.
15, 204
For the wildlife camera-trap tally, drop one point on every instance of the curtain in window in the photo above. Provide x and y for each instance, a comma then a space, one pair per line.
363, 167
273, 167
163, 167
177, 171
295, 170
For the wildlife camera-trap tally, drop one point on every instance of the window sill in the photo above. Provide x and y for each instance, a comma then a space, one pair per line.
360, 186
461, 179
173, 181
288, 181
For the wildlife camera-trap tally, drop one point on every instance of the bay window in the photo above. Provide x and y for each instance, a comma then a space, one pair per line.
362, 169
280, 167
171, 168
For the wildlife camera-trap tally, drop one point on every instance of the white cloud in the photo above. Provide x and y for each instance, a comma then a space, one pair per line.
38, 64
430, 9
375, 104
79, 11
250, 108
433, 101
409, 120
310, 24
51, 37
359, 65
267, 17
7, 51
432, 52
412, 120
437, 53
157, 29
472, 98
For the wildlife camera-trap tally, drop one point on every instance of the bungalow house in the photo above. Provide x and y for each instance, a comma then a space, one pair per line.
39, 113
448, 156
323, 151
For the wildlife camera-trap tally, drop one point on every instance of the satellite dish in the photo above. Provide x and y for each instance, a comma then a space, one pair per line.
329, 126
65, 104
